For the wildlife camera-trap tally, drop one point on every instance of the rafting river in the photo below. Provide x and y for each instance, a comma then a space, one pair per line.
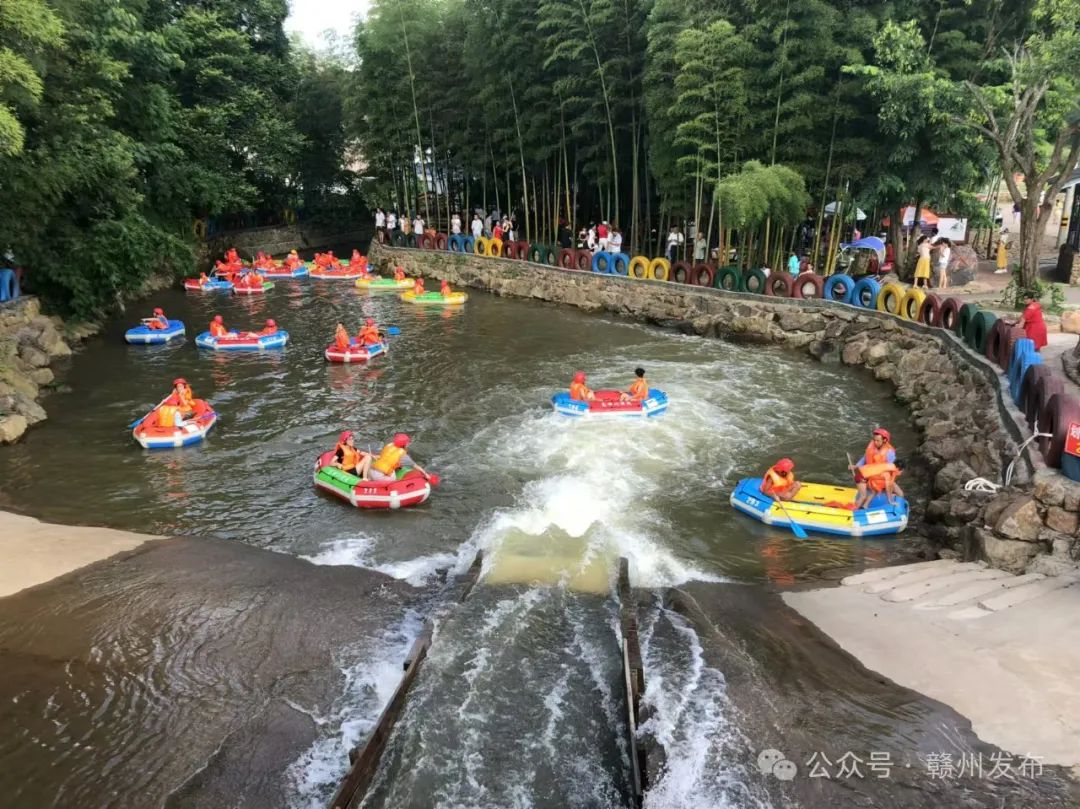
520, 703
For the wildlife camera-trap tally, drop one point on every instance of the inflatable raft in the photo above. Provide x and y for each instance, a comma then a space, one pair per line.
435, 298
823, 508
281, 271
144, 335
410, 488
151, 435
354, 353
213, 285
385, 284
339, 274
239, 342
607, 404
260, 289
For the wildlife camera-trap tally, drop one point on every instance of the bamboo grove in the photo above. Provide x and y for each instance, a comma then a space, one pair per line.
739, 115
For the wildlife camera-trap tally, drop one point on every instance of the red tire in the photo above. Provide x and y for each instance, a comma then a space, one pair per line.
930, 311
426, 242
567, 258
583, 260
507, 250
1055, 417
521, 251
1005, 357
441, 240
998, 334
809, 281
680, 272
1038, 386
778, 285
949, 312
702, 275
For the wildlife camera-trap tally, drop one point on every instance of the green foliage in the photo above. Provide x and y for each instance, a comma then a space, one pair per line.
758, 192
26, 28
1019, 290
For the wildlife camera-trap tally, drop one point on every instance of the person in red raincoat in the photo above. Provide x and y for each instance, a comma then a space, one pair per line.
1031, 321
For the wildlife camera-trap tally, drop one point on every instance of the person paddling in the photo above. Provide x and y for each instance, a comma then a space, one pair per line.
779, 481
392, 457
369, 333
217, 327
158, 321
876, 471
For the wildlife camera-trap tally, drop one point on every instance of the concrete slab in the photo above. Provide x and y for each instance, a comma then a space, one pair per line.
954, 597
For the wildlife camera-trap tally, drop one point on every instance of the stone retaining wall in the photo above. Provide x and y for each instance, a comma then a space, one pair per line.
278, 240
969, 425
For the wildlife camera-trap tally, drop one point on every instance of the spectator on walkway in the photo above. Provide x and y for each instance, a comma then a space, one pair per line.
380, 220
1002, 253
418, 225
615, 241
1031, 321
582, 239
590, 238
675, 241
509, 230
565, 236
497, 231
602, 235
391, 221
793, 263
944, 253
922, 266
477, 226
455, 224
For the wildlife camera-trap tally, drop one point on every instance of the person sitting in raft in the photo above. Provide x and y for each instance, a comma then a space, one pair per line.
779, 481
217, 327
880, 454
418, 287
232, 257
347, 457
183, 399
269, 328
639, 388
357, 260
1031, 321
204, 279
158, 321
578, 391
399, 274
444, 289
341, 337
392, 457
292, 261
369, 333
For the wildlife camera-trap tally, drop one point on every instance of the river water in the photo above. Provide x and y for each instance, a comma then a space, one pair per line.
520, 703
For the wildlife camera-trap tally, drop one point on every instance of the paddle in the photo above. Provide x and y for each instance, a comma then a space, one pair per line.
796, 529
393, 330
433, 479
139, 420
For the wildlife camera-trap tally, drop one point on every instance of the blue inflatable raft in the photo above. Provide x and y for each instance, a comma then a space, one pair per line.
608, 404
240, 342
144, 335
822, 508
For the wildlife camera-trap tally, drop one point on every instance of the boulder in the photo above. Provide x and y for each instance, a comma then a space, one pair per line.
795, 320
1070, 321
28, 408
876, 354
1020, 521
885, 371
52, 343
1053, 566
1050, 487
42, 376
34, 357
952, 475
1060, 520
854, 352
1006, 554
19, 382
12, 427
828, 351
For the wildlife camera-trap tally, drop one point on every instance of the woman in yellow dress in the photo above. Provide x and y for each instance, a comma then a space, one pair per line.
1002, 254
922, 267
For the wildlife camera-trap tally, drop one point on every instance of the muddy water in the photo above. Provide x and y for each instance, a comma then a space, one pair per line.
519, 704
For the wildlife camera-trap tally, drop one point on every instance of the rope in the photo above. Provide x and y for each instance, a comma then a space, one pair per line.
988, 486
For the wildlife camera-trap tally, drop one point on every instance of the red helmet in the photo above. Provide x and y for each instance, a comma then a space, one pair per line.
270, 322
784, 465
579, 376
179, 381
218, 319
158, 310
345, 436
370, 321
401, 440
883, 433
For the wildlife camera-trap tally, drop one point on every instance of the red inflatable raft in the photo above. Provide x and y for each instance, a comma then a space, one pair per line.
411, 489
354, 353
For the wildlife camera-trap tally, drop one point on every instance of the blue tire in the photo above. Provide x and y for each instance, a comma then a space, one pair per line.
840, 288
601, 262
1021, 348
9, 286
1015, 384
456, 244
620, 264
468, 245
865, 293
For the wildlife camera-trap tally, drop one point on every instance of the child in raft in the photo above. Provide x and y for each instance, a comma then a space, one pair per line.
779, 481
348, 458
879, 452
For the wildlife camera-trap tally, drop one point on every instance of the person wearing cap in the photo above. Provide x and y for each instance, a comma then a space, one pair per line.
578, 390
399, 273
183, 399
444, 289
158, 321
347, 457
639, 388
369, 333
418, 287
392, 457
877, 459
217, 327
270, 328
292, 261
779, 481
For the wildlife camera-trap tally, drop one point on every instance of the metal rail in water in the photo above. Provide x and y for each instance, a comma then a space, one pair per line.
364, 760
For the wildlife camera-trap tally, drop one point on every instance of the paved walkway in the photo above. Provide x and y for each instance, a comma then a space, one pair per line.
1003, 650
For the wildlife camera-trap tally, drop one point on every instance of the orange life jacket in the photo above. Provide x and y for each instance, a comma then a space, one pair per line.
389, 459
776, 481
885, 471
341, 338
445, 290
218, 329
158, 322
166, 416
369, 336
350, 456
579, 392
418, 287
268, 331
639, 389
399, 274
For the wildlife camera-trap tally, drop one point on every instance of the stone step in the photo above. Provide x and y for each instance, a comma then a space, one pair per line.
954, 597
1012, 598
920, 575
947, 582
881, 573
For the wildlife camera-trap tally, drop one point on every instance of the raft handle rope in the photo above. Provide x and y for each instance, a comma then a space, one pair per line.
984, 485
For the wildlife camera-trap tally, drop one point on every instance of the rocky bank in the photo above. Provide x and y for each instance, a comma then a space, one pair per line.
30, 343
969, 425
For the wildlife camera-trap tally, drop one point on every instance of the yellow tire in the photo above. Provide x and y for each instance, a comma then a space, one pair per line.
198, 227
480, 246
639, 267
891, 298
912, 303
659, 269
495, 248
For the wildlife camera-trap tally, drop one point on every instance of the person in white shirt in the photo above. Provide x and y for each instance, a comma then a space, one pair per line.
477, 226
674, 242
590, 241
455, 224
380, 219
615, 241
418, 225
391, 221
944, 254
